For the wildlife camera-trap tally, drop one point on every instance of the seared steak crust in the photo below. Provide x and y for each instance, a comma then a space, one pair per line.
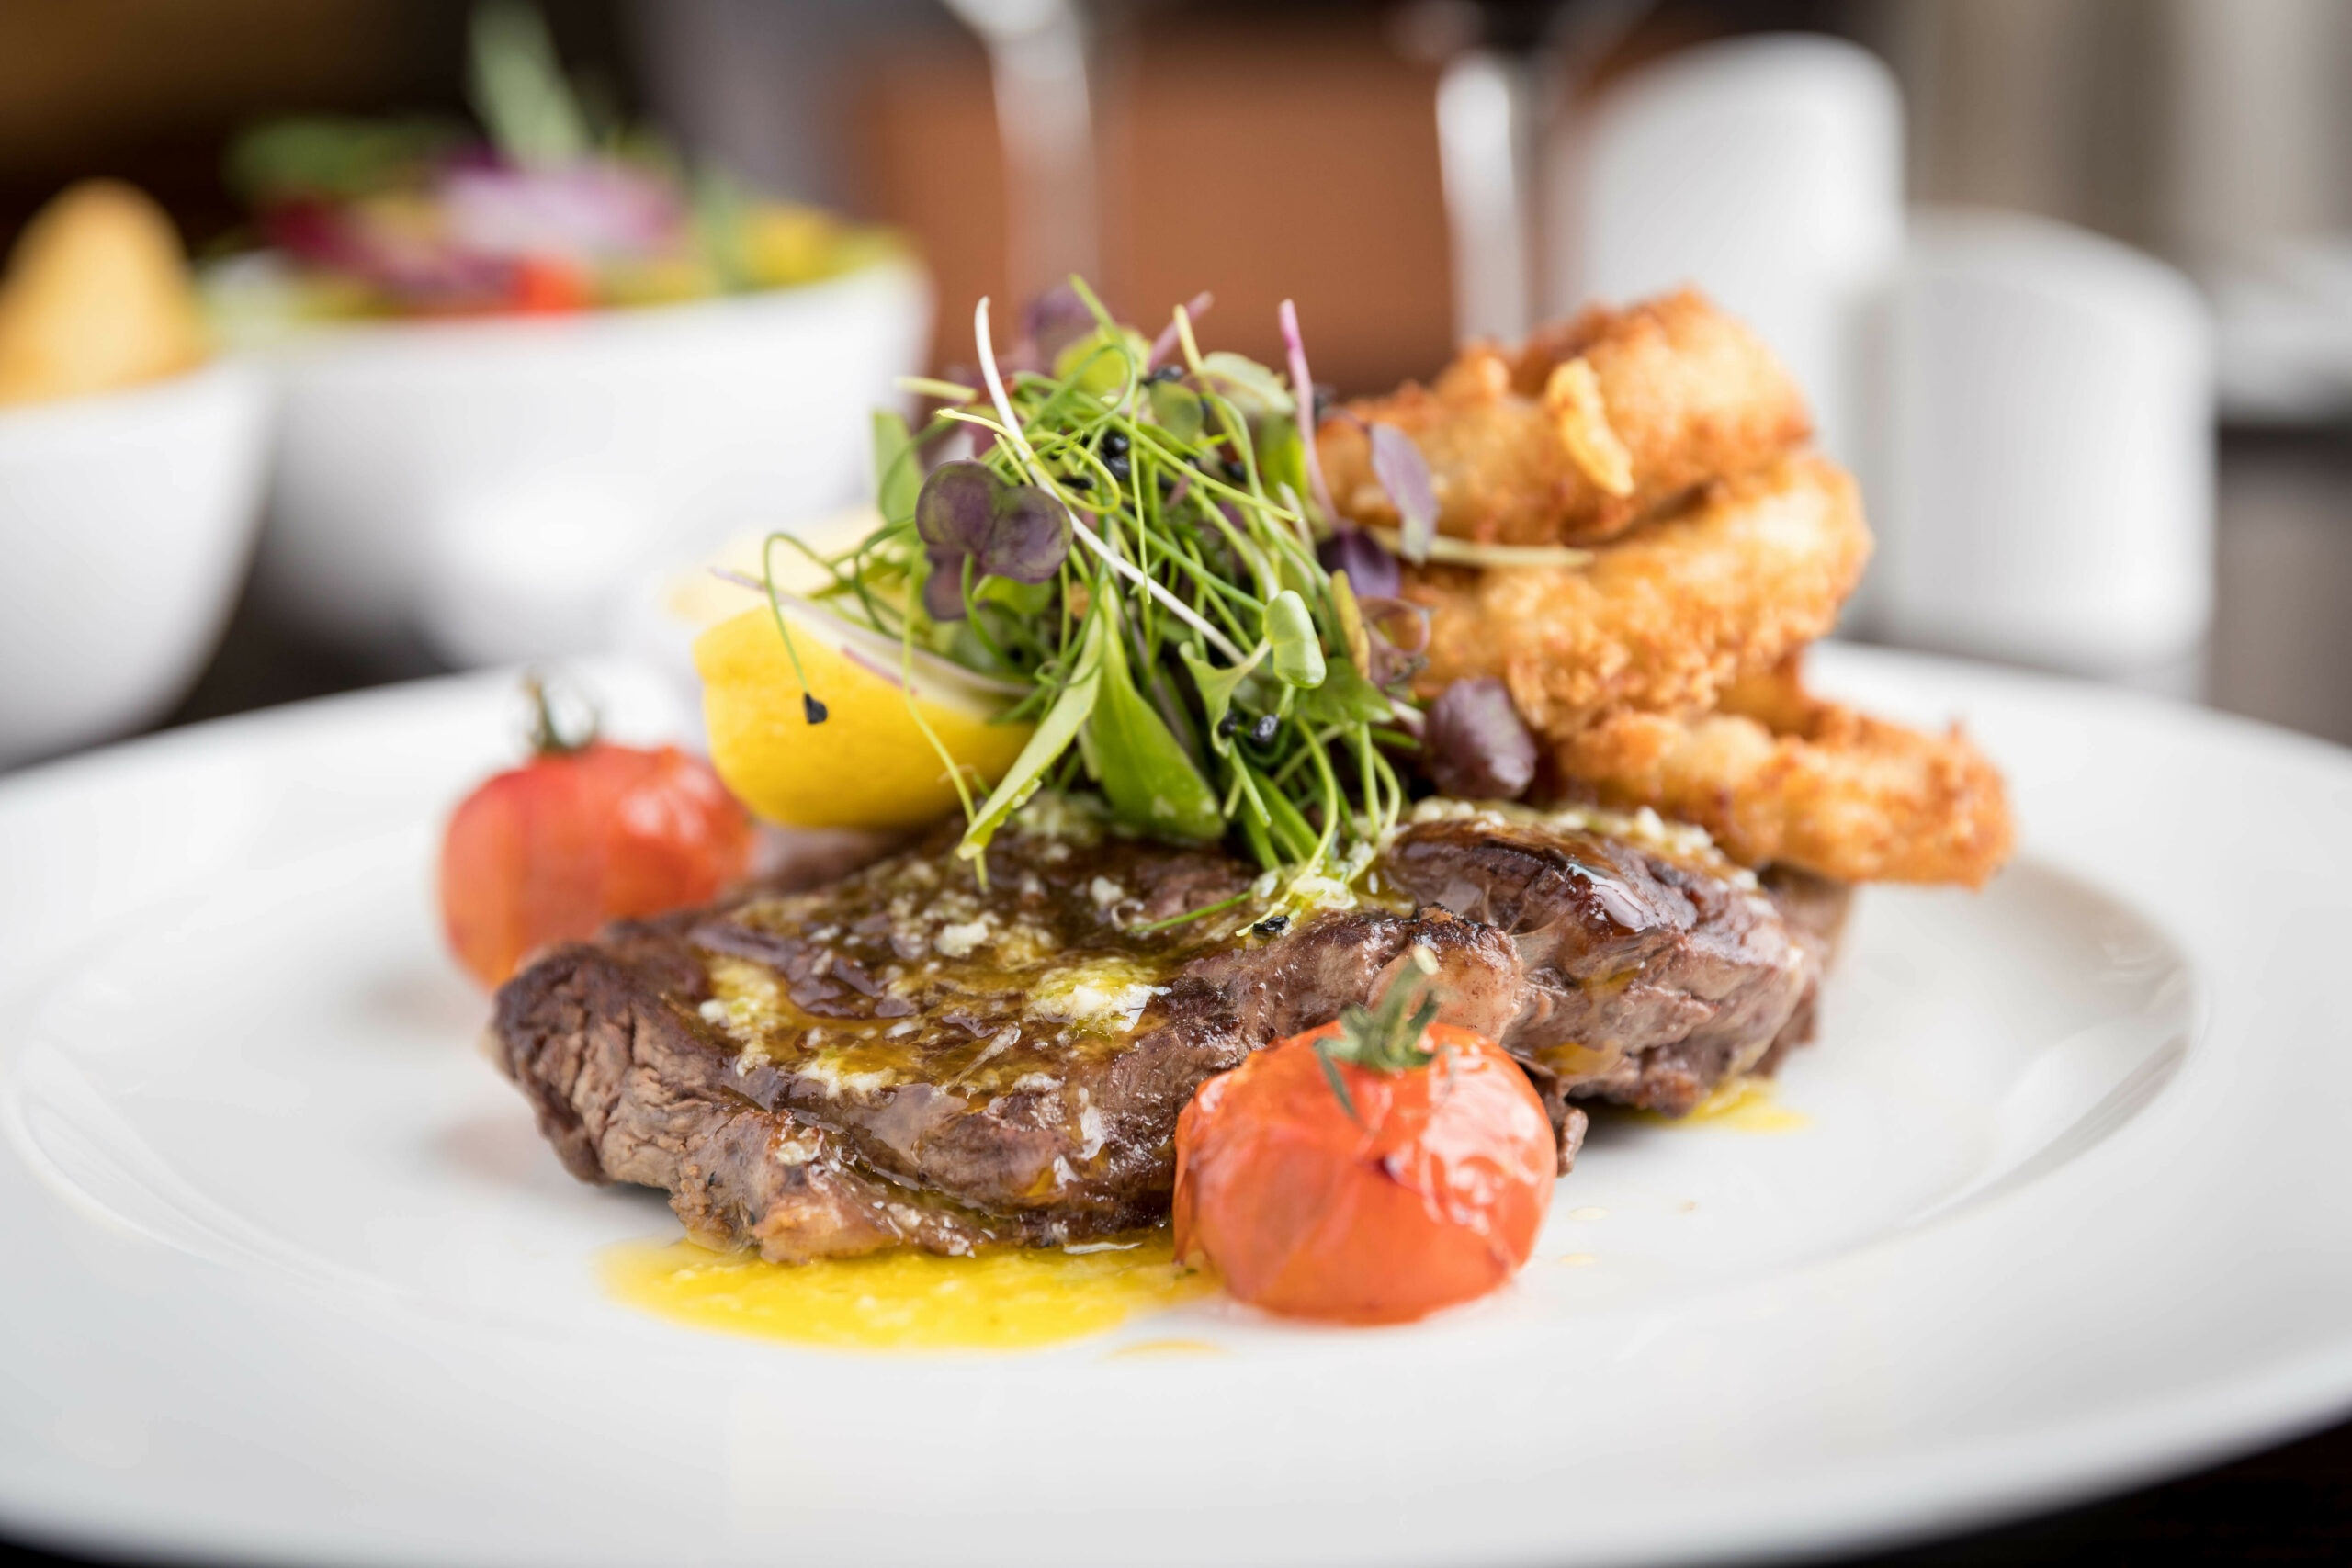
905, 1056
1649, 979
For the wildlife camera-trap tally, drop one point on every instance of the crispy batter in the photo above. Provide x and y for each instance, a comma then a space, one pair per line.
1522, 452
1662, 620
1779, 775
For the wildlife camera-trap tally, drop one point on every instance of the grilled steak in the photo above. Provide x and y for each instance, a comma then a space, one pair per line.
908, 1056
1650, 978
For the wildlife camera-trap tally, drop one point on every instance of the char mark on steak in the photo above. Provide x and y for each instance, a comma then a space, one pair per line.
905, 1056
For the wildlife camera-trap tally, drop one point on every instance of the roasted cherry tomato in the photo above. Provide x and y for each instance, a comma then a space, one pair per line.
1372, 1170
579, 835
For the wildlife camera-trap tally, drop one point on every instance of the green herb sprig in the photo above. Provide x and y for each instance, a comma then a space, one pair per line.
1189, 659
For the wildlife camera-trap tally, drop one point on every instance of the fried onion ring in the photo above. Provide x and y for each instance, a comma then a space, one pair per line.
1664, 619
1781, 777
1593, 425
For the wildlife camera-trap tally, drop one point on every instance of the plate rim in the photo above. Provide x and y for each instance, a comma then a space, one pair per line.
2071, 1460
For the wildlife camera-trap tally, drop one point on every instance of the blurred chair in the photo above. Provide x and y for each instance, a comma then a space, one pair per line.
1768, 171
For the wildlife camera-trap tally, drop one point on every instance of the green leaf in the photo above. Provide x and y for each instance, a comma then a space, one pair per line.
1217, 688
1297, 651
1254, 390
1099, 362
1291, 832
1261, 847
1055, 732
1142, 766
1281, 458
1177, 409
898, 478
1028, 600
1344, 697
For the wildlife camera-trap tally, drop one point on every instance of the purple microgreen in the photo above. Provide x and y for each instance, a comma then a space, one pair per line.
1404, 473
955, 509
1475, 745
1302, 390
1371, 571
943, 589
967, 512
1054, 319
1028, 538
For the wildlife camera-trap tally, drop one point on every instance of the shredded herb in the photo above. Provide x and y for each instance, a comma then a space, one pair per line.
1129, 548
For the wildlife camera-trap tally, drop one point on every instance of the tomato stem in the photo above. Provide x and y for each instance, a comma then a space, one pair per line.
1385, 1038
547, 736
1338, 1084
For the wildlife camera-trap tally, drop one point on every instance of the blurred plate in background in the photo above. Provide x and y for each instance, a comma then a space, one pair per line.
492, 485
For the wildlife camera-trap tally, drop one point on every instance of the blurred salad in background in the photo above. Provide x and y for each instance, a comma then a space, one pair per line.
553, 205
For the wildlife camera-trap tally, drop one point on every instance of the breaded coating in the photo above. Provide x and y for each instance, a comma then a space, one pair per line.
1781, 777
1593, 425
1664, 619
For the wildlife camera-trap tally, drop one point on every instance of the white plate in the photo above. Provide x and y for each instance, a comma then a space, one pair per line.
285, 1273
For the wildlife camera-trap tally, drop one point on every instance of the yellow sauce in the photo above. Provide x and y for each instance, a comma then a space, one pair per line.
1747, 1104
1143, 1349
1003, 1300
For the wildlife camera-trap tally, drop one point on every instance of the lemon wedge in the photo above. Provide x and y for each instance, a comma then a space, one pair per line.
869, 765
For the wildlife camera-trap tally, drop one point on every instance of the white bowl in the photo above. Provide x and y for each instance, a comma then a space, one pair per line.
126, 524
493, 484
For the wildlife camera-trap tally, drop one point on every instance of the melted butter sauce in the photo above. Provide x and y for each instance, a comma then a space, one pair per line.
1748, 1105
1008, 1299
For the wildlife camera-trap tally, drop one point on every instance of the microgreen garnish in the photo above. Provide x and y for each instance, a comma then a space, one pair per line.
1131, 554
1404, 473
973, 525
811, 709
